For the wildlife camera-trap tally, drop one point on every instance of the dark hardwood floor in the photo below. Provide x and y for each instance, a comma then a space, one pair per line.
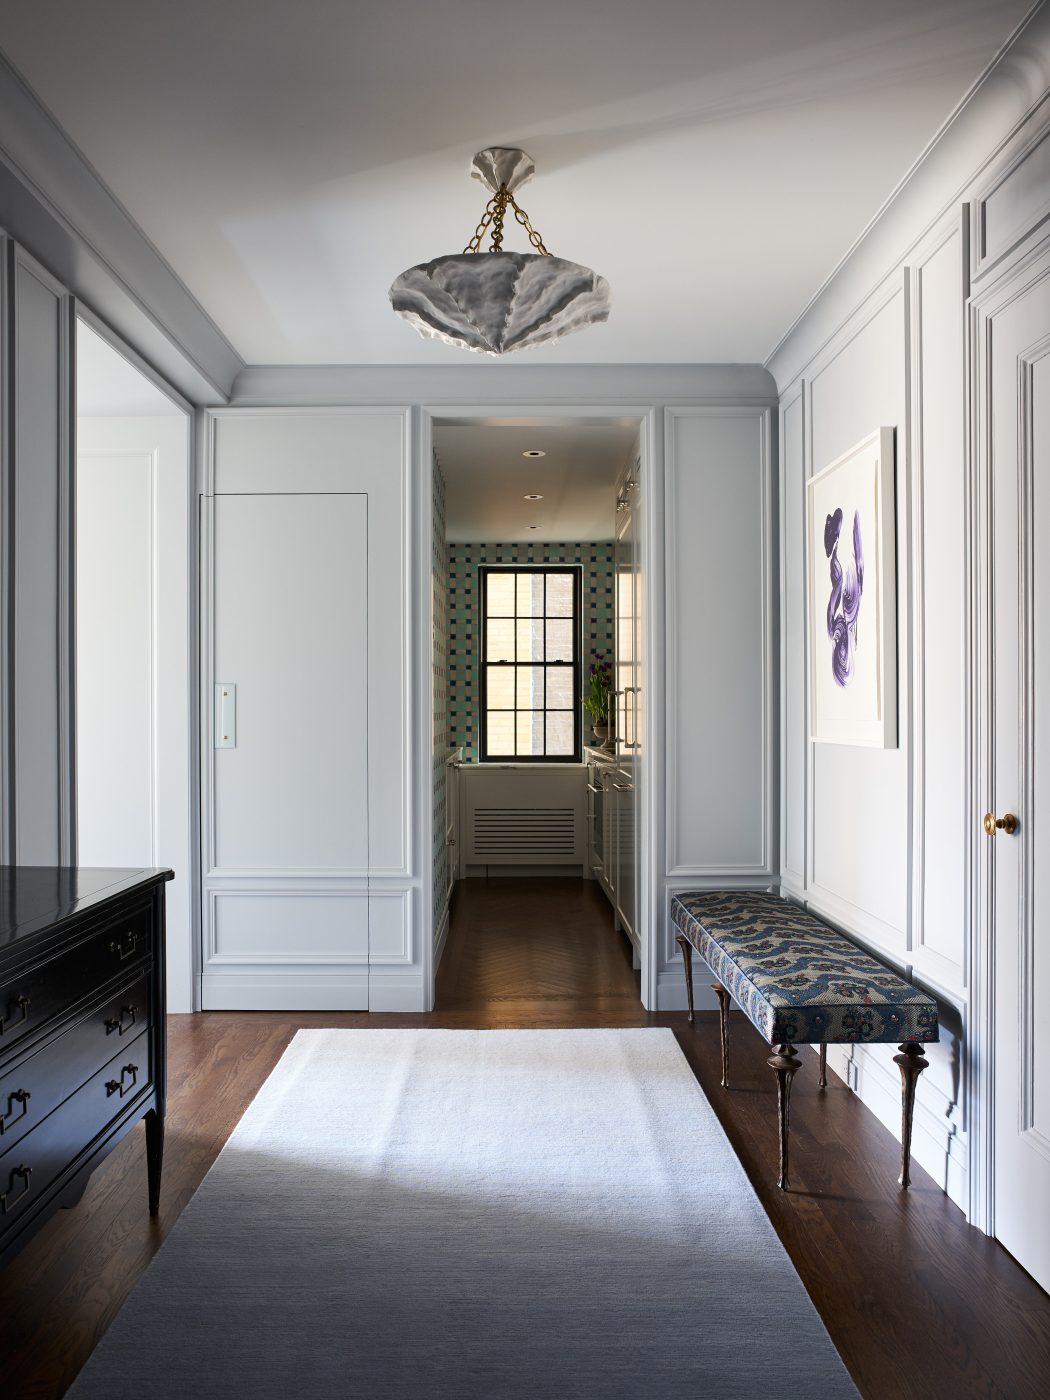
918, 1303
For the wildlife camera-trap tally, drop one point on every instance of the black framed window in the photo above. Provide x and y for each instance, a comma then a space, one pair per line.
530, 664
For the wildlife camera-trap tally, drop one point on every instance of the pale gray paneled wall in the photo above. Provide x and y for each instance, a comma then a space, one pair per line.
38, 475
720, 698
860, 825
880, 842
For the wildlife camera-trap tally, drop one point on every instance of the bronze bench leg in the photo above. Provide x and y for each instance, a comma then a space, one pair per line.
687, 958
723, 1021
912, 1063
822, 1082
784, 1064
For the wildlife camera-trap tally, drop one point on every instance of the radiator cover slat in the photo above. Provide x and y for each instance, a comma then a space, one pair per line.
528, 835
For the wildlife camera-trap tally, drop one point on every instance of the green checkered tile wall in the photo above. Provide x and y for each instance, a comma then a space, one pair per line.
595, 560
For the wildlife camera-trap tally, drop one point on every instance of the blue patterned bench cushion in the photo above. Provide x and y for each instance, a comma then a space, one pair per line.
799, 981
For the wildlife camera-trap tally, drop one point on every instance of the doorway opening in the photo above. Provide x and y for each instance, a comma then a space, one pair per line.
538, 703
133, 628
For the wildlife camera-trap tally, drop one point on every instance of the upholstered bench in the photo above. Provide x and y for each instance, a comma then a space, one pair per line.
802, 983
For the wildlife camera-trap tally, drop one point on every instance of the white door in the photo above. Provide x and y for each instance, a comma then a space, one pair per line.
289, 812
1017, 377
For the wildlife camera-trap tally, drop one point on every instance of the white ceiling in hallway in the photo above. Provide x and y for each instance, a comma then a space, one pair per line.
487, 478
712, 160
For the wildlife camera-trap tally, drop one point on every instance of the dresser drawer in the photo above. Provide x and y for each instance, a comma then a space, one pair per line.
35, 1164
30, 1000
40, 1082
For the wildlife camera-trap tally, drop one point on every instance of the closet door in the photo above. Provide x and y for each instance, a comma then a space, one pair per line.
289, 816
1015, 399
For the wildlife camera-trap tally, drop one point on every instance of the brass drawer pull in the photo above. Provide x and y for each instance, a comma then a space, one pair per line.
117, 1086
128, 949
23, 1004
118, 1024
20, 1096
6, 1200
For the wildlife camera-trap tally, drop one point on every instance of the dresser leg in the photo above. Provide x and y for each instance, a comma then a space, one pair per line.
912, 1062
687, 958
822, 1082
723, 1025
784, 1064
154, 1157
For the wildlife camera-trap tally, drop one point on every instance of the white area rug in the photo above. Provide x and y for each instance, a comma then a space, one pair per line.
472, 1214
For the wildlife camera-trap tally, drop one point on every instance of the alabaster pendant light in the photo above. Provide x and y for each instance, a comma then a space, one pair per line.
494, 301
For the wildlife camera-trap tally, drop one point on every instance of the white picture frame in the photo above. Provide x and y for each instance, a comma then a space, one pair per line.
852, 602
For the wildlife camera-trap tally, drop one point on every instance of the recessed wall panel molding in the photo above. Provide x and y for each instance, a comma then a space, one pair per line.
794, 729
390, 927
1012, 204
859, 798
718, 579
940, 593
298, 928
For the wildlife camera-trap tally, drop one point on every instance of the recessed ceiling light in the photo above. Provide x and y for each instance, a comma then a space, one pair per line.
533, 496
534, 452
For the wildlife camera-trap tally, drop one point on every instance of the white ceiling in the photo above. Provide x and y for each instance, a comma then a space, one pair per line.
109, 387
487, 478
713, 160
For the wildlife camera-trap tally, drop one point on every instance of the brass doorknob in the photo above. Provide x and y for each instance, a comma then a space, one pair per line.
1007, 823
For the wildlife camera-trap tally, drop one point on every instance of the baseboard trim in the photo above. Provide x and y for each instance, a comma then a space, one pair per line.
394, 991
286, 991
670, 989
440, 939
938, 1146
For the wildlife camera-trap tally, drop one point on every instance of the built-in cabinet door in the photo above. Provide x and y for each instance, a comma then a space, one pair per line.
451, 828
290, 632
625, 883
289, 761
1016, 397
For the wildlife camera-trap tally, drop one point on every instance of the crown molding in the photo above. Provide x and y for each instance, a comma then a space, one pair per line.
502, 383
1011, 87
56, 205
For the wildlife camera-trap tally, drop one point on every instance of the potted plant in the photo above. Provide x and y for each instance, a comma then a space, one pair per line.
596, 701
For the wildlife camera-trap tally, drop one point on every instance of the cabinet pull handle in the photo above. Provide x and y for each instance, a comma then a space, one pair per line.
23, 1004
118, 1024
6, 1199
117, 1086
20, 1096
128, 949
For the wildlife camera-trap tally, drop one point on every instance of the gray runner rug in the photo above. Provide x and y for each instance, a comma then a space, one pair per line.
472, 1215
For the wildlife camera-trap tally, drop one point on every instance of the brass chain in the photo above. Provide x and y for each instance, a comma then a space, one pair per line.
493, 217
497, 219
523, 219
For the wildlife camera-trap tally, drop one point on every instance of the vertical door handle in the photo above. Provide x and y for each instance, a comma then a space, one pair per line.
225, 716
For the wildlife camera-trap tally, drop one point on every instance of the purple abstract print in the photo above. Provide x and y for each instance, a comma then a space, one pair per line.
847, 585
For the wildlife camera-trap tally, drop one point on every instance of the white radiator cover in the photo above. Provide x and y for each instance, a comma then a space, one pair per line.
532, 815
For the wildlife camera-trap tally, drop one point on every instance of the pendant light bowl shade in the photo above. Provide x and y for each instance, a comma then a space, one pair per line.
495, 302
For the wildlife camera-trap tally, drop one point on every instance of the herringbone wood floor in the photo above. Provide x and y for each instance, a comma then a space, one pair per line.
919, 1305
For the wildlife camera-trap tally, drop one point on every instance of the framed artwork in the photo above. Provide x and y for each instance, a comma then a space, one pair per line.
851, 537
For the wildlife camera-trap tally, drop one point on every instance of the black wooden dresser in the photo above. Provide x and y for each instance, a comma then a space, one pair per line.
81, 1032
